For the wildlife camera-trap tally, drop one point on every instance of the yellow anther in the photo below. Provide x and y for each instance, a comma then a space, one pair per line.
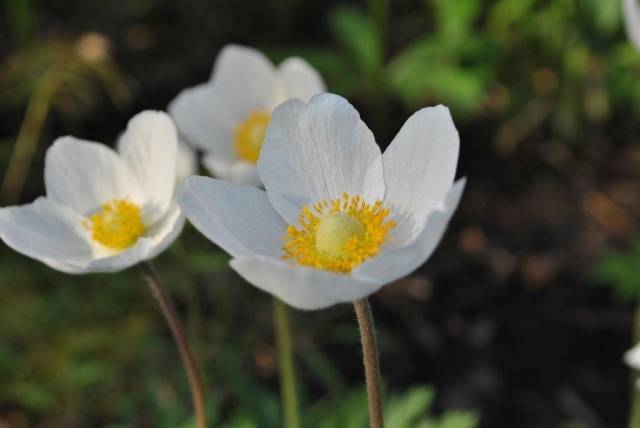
339, 234
117, 226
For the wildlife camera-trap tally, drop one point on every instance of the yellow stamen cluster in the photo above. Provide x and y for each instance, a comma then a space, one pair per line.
249, 135
117, 226
339, 234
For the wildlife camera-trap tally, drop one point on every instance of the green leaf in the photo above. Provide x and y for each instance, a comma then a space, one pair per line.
359, 36
455, 18
405, 410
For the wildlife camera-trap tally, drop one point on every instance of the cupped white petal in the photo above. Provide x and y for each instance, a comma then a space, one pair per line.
202, 116
299, 79
631, 14
236, 171
392, 264
320, 151
420, 164
300, 286
150, 147
166, 230
124, 259
246, 79
238, 218
84, 175
47, 231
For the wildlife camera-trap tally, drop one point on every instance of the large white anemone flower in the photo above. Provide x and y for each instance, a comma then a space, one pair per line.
338, 219
227, 116
104, 210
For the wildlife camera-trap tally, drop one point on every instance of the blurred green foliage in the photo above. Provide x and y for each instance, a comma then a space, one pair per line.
620, 270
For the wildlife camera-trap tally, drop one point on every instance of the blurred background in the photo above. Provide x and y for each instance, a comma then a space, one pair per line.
521, 317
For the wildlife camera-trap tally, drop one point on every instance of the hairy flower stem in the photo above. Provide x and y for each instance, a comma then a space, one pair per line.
285, 365
371, 363
190, 366
634, 414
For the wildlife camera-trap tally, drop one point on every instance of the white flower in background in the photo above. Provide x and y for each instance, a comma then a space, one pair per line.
631, 14
632, 359
338, 219
227, 116
104, 210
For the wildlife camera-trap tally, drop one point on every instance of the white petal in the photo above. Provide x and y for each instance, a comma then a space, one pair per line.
237, 218
420, 163
300, 80
319, 151
202, 117
85, 175
135, 254
187, 161
300, 286
150, 146
246, 79
166, 230
238, 171
46, 231
631, 13
393, 264
632, 357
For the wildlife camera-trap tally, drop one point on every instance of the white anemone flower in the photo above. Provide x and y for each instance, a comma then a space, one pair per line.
631, 15
104, 210
227, 116
337, 219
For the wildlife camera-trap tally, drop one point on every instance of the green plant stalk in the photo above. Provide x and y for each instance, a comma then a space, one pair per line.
27, 141
371, 362
634, 414
193, 373
286, 366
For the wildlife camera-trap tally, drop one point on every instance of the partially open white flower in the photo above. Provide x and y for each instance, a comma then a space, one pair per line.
104, 210
227, 116
338, 219
631, 14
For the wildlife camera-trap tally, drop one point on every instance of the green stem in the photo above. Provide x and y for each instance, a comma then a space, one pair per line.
371, 362
190, 366
634, 415
286, 365
27, 140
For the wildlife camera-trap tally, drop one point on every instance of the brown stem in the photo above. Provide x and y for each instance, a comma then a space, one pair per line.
371, 363
190, 366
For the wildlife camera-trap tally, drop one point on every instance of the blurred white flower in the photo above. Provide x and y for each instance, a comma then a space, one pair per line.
338, 219
227, 116
104, 210
631, 14
632, 357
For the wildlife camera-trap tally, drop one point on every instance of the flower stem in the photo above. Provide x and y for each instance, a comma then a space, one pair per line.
371, 363
27, 141
190, 366
285, 365
634, 414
